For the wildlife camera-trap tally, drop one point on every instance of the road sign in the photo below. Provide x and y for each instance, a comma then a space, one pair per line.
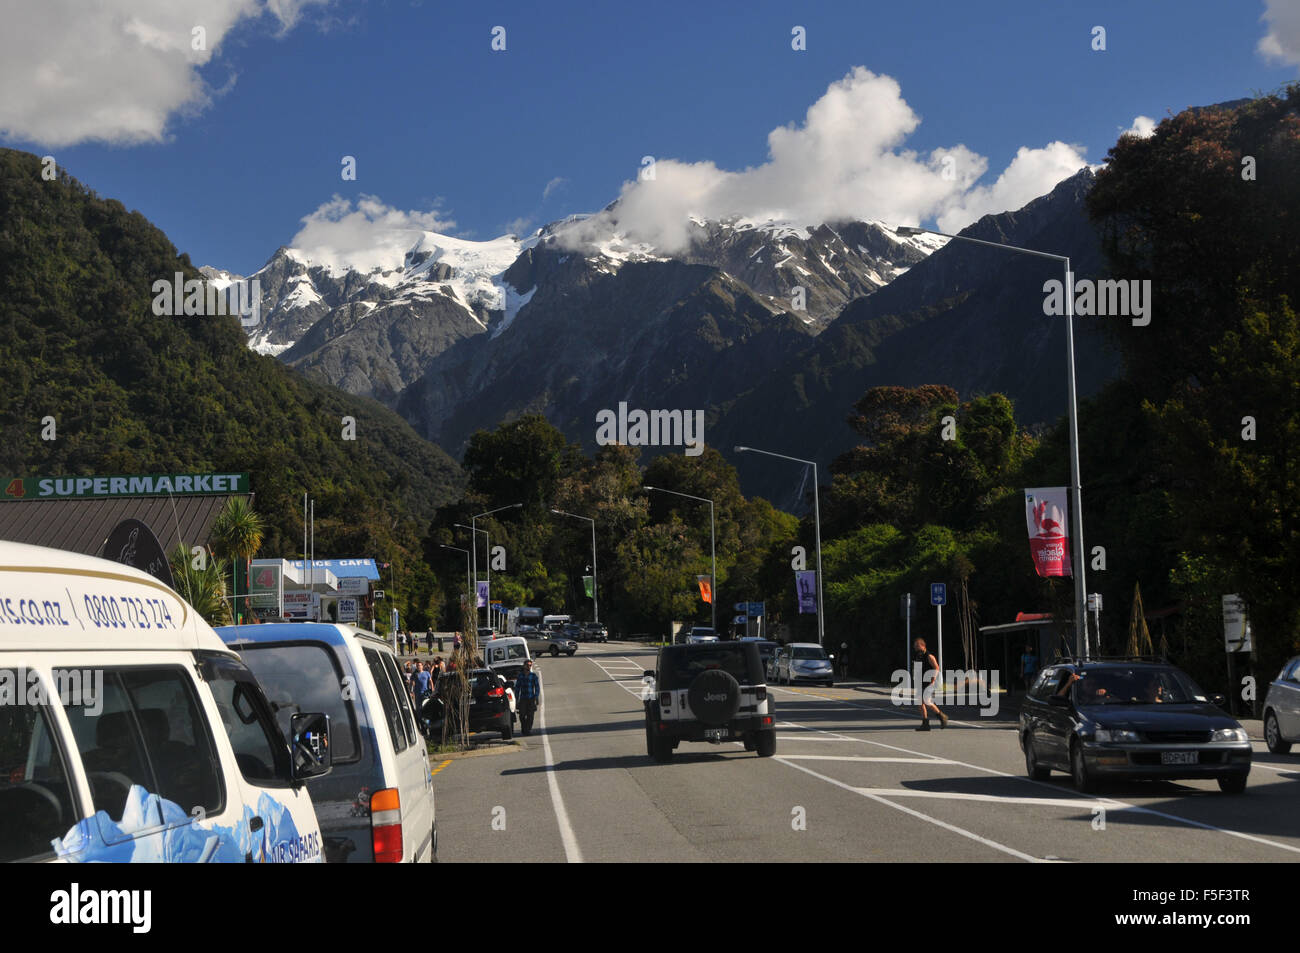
755, 608
741, 620
1236, 630
938, 594
742, 606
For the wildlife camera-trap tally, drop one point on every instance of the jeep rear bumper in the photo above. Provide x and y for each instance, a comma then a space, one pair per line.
693, 730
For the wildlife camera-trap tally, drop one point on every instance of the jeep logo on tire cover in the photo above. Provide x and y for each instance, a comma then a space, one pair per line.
714, 696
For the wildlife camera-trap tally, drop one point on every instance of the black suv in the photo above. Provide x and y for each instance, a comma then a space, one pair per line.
712, 691
1141, 720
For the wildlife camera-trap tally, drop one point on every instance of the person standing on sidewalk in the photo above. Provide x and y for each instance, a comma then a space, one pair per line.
528, 694
926, 663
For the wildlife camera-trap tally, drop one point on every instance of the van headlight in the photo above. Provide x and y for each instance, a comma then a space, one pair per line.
1230, 734
1115, 735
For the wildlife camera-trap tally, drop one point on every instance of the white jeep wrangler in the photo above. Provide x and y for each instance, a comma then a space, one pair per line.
711, 691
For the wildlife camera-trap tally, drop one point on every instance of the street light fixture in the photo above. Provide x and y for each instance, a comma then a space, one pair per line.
713, 550
817, 529
1076, 521
595, 600
466, 552
473, 526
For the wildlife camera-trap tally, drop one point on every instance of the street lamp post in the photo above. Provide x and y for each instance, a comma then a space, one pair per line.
474, 543
817, 530
1076, 511
595, 596
467, 580
487, 548
713, 551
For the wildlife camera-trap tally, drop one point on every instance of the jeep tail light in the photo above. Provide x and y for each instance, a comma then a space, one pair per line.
665, 699
386, 826
767, 720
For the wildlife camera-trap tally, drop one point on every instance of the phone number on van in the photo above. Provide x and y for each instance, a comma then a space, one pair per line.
126, 612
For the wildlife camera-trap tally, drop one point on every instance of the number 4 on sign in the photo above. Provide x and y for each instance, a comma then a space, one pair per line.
15, 488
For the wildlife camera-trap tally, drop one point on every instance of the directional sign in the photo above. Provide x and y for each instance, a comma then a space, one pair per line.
938, 594
741, 620
742, 606
756, 608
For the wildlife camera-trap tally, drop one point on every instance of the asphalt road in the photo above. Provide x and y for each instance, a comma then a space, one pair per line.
851, 781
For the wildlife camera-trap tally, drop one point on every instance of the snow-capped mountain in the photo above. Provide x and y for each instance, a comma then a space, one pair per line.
373, 321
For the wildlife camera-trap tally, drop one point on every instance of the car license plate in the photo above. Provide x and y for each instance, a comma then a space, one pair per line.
1178, 757
715, 734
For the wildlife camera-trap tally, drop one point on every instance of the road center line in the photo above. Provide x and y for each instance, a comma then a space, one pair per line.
571, 852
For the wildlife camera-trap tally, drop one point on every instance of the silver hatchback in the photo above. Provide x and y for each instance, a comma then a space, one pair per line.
1282, 709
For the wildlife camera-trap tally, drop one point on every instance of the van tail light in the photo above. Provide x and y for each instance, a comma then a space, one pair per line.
386, 826
665, 699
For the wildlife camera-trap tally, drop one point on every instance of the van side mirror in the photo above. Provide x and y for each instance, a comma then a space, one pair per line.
309, 745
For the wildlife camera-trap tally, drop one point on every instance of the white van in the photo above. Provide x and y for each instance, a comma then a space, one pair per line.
377, 804
506, 656
129, 732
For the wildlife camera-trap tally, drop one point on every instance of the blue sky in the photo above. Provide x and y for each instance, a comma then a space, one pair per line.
445, 129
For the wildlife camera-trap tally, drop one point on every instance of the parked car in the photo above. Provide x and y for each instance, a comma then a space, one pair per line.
491, 702
378, 803
803, 662
710, 691
700, 634
134, 734
1282, 709
595, 632
1139, 720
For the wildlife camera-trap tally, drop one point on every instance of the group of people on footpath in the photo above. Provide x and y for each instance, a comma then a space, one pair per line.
408, 643
422, 684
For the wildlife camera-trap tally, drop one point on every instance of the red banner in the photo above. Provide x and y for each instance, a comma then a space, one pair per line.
706, 588
1046, 510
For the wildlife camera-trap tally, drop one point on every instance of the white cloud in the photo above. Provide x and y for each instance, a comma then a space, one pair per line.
114, 70
846, 160
1031, 173
1143, 127
368, 235
1282, 41
552, 185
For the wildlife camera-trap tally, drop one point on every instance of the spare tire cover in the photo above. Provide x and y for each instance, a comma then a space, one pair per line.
714, 696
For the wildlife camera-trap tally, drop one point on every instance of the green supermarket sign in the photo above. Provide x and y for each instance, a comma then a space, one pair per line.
155, 484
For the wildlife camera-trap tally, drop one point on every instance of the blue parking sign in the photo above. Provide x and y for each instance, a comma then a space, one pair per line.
938, 594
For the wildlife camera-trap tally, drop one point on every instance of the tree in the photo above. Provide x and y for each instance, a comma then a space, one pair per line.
203, 587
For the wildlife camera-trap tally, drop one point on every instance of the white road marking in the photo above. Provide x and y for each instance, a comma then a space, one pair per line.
989, 798
865, 792
571, 852
1109, 803
622, 679
834, 757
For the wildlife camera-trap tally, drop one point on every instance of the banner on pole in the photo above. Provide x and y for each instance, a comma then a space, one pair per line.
482, 593
805, 584
706, 588
1046, 510
589, 584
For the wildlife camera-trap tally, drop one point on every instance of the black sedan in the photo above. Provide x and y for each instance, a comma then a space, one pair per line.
1146, 721
491, 703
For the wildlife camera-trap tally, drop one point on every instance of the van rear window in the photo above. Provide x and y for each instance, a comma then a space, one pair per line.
387, 699
305, 676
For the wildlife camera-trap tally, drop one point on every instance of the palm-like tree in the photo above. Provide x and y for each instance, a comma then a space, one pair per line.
203, 588
237, 534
